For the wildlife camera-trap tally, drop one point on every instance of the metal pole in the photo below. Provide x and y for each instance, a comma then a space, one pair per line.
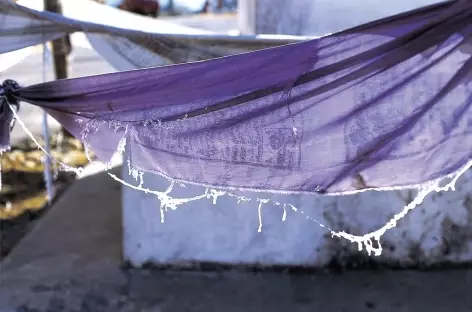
247, 17
171, 8
61, 48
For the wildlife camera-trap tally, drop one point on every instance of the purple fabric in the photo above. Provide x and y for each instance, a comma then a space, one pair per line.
381, 105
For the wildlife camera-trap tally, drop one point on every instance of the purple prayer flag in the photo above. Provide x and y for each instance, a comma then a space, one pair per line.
382, 105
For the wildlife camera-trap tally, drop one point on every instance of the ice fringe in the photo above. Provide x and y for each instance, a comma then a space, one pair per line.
169, 202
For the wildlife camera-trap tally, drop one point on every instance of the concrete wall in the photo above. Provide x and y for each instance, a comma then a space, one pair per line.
320, 17
438, 231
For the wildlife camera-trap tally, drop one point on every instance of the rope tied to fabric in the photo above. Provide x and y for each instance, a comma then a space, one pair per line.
7, 89
9, 106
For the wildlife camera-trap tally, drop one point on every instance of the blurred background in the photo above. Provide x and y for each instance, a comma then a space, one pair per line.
172, 7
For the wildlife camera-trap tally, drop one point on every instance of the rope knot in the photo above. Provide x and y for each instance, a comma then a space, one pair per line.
7, 90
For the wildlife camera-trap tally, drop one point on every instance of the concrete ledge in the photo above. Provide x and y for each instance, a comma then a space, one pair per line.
437, 232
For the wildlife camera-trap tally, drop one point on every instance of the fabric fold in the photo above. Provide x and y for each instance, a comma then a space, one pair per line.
383, 105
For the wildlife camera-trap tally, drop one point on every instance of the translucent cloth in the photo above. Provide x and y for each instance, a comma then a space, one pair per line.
382, 105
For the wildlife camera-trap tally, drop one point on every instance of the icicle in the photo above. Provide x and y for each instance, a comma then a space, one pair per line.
259, 212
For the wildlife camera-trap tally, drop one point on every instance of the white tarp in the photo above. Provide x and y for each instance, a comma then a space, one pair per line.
127, 41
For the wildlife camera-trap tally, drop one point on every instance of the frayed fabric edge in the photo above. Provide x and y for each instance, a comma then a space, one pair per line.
364, 242
417, 186
369, 242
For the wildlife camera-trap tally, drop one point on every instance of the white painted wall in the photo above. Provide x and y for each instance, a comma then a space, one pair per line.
320, 17
439, 230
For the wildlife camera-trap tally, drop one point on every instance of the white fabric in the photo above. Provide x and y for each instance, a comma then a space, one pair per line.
127, 41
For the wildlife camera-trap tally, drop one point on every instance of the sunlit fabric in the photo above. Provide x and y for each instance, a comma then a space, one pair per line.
382, 105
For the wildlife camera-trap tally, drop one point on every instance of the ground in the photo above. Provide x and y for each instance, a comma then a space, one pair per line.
23, 197
82, 270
